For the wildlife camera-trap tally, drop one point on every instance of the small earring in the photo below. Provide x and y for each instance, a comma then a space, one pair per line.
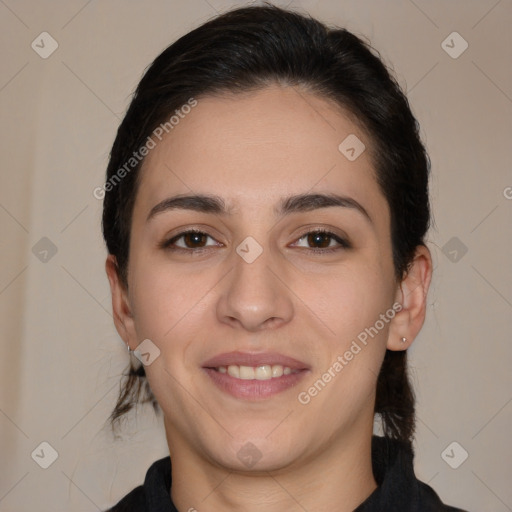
129, 349
403, 340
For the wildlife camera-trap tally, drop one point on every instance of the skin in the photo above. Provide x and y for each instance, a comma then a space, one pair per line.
253, 150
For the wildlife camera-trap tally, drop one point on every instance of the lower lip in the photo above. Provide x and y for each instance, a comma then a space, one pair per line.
254, 389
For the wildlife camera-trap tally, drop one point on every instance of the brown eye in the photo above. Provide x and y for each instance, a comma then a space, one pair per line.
193, 240
321, 241
190, 240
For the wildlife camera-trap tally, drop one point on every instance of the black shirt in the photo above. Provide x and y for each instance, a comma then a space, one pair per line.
398, 488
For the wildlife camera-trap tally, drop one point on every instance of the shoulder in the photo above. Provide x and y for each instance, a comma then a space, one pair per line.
431, 502
398, 487
135, 501
154, 493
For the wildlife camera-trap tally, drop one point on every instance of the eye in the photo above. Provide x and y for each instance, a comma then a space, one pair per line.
189, 240
315, 241
321, 241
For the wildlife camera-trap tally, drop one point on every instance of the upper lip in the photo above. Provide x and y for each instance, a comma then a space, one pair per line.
254, 359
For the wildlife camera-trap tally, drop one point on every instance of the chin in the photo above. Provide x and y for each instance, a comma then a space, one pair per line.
256, 454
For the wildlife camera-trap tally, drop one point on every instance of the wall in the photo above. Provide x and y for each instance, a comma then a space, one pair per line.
61, 357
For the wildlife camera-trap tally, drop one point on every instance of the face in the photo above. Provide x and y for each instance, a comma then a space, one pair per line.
259, 293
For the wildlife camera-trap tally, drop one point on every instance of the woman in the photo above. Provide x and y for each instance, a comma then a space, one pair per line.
265, 210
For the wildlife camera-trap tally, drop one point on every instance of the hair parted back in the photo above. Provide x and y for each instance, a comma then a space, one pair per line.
247, 49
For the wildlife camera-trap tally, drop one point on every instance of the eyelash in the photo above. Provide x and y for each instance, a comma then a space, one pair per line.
343, 243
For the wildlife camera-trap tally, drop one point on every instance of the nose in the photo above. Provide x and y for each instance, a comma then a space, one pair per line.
254, 296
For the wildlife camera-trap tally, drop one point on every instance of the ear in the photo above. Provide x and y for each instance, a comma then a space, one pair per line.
412, 295
121, 309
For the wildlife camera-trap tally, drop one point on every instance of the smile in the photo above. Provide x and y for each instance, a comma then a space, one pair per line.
254, 376
264, 372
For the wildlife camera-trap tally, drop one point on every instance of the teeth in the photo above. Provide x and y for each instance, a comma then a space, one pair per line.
246, 372
234, 371
264, 372
277, 370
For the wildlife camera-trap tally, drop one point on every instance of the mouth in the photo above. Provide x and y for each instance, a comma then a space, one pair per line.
254, 376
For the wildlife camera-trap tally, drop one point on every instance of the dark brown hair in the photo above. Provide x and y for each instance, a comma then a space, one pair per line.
251, 48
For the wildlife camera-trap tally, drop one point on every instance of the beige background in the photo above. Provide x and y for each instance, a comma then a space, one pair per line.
61, 358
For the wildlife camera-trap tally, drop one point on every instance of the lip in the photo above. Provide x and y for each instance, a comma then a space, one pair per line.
254, 389
254, 359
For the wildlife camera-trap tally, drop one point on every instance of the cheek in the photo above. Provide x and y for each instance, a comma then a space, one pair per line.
346, 309
169, 309
175, 309
163, 298
350, 305
345, 301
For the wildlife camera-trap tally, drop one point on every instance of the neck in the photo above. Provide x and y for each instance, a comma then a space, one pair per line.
340, 478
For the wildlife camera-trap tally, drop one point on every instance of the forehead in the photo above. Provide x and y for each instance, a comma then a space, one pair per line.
255, 147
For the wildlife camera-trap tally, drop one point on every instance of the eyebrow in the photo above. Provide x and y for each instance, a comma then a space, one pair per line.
292, 204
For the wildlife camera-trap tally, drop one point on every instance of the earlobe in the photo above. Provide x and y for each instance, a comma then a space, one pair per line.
412, 296
121, 308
